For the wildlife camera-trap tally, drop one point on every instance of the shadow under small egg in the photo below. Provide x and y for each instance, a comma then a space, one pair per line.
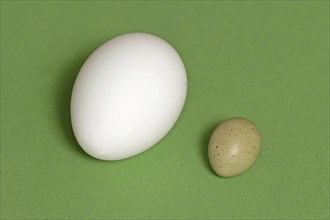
204, 146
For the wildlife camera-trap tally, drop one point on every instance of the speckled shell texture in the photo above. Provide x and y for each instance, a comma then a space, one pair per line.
234, 146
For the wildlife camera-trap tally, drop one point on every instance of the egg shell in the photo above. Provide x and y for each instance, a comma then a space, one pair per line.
127, 96
234, 146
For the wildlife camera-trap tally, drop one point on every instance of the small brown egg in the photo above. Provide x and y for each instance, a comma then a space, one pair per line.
234, 146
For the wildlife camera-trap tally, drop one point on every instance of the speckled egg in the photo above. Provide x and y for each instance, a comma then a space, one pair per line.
234, 146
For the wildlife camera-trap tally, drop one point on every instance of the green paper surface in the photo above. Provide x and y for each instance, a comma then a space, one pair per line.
266, 61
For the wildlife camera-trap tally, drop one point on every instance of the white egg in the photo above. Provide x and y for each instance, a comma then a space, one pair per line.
127, 96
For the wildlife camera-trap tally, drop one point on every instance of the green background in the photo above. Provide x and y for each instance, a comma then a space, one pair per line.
266, 61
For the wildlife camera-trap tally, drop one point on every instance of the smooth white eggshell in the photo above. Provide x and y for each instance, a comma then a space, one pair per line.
127, 96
